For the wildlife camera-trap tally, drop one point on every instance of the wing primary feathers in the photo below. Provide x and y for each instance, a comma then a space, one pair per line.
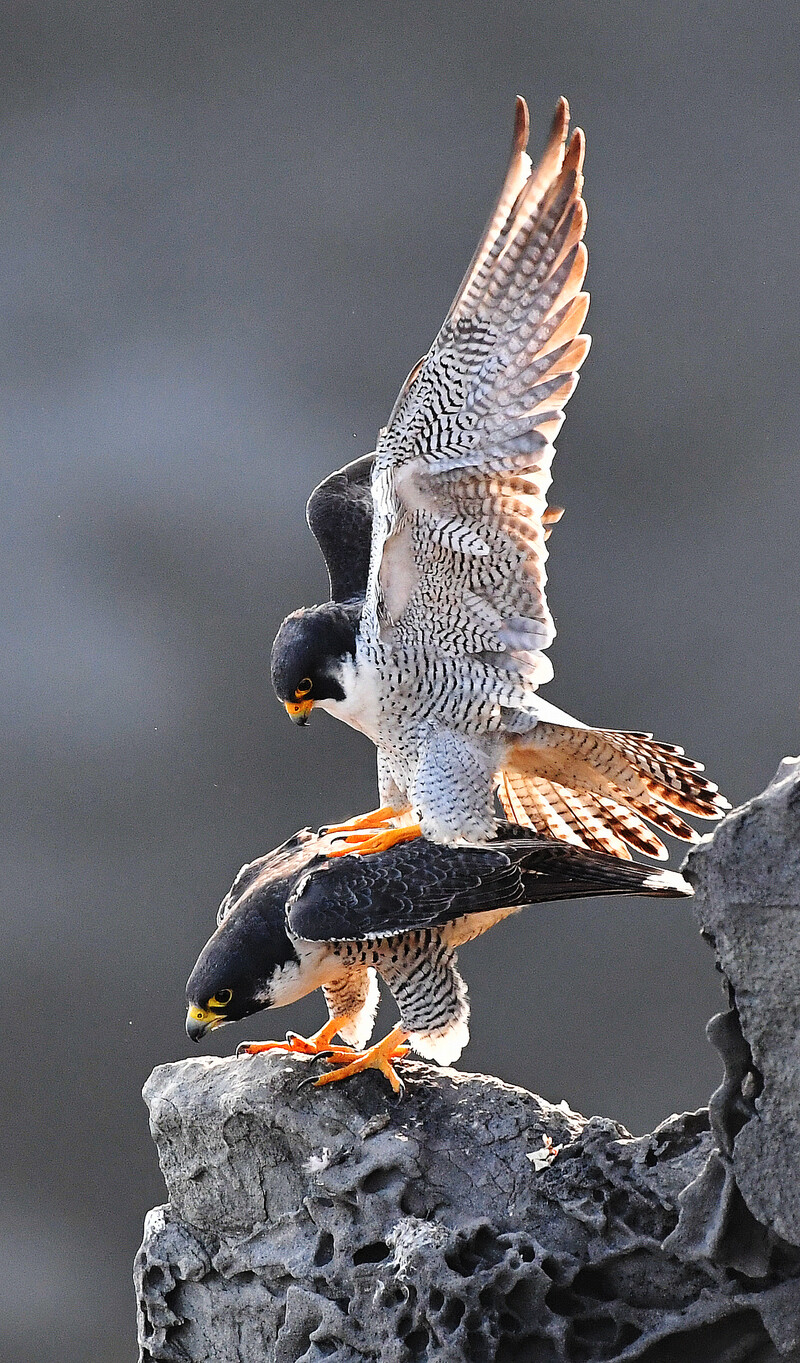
519, 168
463, 467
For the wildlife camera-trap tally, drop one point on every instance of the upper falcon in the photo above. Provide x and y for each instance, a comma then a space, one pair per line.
433, 642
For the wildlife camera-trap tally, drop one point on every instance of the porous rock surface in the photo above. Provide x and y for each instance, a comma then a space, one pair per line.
747, 886
475, 1223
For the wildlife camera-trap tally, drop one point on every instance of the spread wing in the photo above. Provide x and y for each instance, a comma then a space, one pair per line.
339, 513
424, 884
462, 470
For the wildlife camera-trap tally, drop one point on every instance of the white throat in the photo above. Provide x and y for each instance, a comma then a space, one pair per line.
361, 707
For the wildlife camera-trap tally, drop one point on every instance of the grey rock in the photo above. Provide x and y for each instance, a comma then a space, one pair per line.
475, 1222
303, 1225
747, 884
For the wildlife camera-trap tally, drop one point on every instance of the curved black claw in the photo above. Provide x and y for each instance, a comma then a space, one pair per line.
312, 1078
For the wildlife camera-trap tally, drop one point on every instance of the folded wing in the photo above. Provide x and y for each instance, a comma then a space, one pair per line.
425, 884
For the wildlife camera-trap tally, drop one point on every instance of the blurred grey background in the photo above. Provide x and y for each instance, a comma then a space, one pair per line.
228, 229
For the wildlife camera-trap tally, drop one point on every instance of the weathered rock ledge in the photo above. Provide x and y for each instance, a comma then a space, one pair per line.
474, 1221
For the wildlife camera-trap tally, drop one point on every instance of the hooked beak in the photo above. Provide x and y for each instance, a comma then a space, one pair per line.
299, 710
202, 1020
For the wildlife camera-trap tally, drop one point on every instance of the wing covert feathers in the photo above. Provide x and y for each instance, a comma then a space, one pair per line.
463, 467
595, 788
423, 884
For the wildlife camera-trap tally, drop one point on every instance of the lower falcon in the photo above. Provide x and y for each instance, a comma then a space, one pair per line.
295, 921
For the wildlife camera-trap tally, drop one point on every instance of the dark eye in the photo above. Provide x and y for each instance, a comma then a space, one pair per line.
220, 1000
303, 688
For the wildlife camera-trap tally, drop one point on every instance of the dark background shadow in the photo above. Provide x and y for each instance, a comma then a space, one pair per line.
228, 230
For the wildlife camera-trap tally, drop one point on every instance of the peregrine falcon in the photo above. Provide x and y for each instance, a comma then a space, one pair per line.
433, 643
296, 920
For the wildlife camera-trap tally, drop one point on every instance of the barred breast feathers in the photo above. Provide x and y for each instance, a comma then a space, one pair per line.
462, 469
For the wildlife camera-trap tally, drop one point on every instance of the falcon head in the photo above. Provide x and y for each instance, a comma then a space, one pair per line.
249, 964
308, 655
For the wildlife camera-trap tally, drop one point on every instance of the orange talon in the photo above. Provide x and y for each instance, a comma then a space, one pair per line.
378, 1057
363, 844
301, 1045
377, 818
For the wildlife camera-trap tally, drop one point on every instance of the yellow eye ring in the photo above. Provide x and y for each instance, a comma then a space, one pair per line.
304, 688
221, 1000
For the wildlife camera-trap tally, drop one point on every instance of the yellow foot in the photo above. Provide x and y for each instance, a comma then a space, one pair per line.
363, 844
318, 1044
377, 818
379, 1057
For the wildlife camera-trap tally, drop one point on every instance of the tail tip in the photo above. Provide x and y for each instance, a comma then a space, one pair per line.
667, 882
